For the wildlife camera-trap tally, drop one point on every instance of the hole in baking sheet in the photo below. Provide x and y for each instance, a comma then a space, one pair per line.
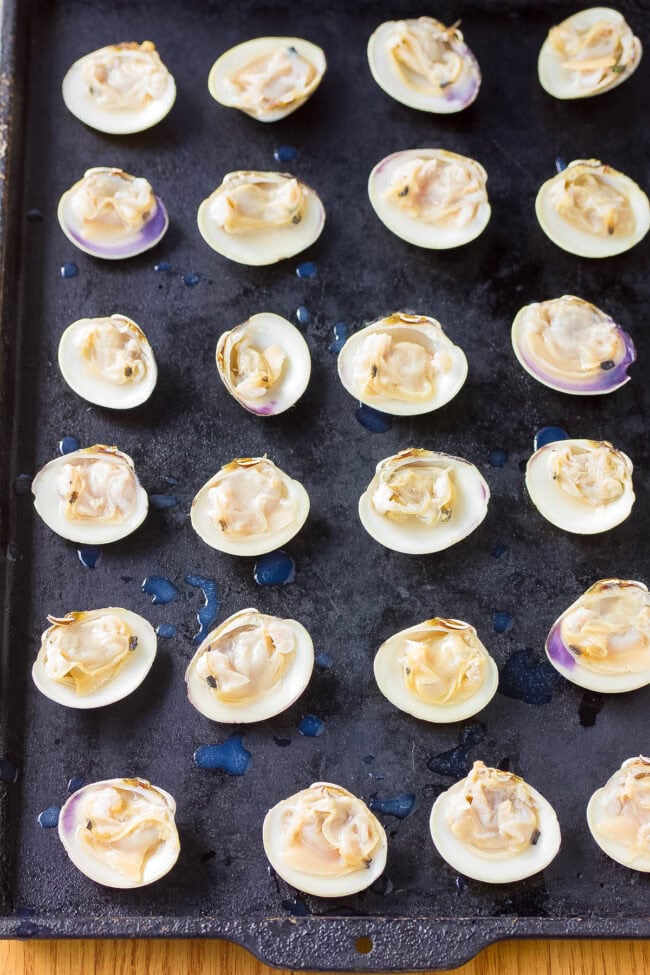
363, 945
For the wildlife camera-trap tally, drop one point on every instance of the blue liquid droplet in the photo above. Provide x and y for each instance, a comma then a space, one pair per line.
161, 589
49, 818
160, 501
69, 270
22, 485
34, 215
274, 569
230, 756
298, 908
324, 660
398, 806
461, 884
208, 612
528, 677
285, 154
560, 164
502, 622
282, 742
191, 279
455, 762
499, 458
369, 759
382, 886
311, 727
68, 445
306, 270
162, 266
90, 555
8, 771
549, 435
499, 550
166, 631
13, 553
340, 333
303, 316
76, 782
372, 419
170, 480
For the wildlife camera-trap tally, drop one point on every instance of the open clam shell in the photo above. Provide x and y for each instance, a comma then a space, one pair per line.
589, 53
437, 670
143, 827
91, 496
354, 827
401, 187
259, 218
602, 641
424, 65
261, 666
267, 77
112, 215
120, 88
108, 361
446, 499
264, 363
581, 486
403, 365
572, 346
124, 678
617, 815
592, 210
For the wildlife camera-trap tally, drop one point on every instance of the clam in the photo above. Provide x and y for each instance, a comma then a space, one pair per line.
250, 668
108, 361
602, 641
119, 89
324, 841
592, 210
618, 815
249, 507
437, 670
111, 214
430, 197
494, 827
581, 486
90, 496
589, 53
264, 363
572, 346
93, 658
261, 218
420, 501
267, 77
425, 65
403, 365
120, 832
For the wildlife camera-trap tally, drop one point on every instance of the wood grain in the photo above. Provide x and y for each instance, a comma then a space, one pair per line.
220, 958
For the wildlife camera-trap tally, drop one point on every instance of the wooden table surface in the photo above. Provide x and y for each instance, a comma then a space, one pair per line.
219, 958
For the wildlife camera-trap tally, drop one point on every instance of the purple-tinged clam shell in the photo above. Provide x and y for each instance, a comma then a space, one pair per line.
588, 355
102, 233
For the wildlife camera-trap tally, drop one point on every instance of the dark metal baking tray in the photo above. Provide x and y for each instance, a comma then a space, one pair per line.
349, 591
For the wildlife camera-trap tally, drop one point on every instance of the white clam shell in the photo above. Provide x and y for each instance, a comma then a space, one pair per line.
581, 242
128, 678
413, 230
388, 675
454, 98
85, 532
281, 696
569, 664
560, 82
413, 537
564, 511
417, 329
260, 247
243, 54
94, 387
264, 330
113, 121
597, 809
492, 870
343, 886
251, 545
156, 866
